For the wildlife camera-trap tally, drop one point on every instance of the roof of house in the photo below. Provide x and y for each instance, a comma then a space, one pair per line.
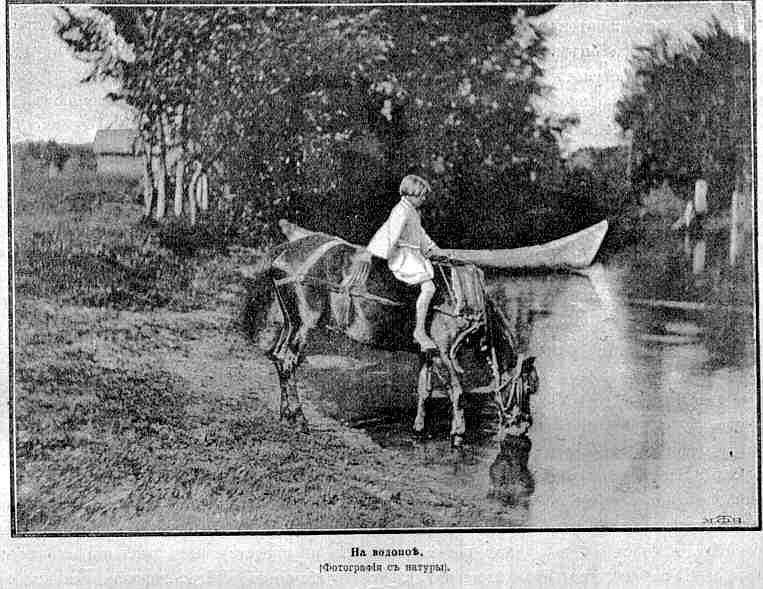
116, 142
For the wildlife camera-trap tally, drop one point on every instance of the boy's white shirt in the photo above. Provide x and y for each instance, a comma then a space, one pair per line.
388, 236
400, 240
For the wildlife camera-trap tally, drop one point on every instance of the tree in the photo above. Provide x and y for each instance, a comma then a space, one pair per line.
281, 106
688, 106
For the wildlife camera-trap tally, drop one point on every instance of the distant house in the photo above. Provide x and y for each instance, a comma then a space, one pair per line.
118, 151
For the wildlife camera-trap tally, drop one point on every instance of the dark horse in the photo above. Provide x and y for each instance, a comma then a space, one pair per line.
318, 283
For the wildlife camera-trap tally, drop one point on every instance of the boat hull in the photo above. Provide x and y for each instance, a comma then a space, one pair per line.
571, 252
574, 251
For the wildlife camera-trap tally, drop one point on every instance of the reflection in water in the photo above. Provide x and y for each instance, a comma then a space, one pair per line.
511, 482
727, 335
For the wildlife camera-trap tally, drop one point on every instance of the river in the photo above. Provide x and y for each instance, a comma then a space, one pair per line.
643, 417
646, 416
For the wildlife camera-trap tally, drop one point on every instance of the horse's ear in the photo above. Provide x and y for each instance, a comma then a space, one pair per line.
529, 362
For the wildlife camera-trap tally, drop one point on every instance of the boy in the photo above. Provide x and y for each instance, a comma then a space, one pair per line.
405, 245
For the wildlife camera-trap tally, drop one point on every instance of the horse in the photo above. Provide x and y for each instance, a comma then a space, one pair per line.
318, 282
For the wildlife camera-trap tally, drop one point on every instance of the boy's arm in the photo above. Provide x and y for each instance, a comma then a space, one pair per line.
428, 246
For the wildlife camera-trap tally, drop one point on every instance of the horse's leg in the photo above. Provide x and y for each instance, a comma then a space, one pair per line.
424, 391
286, 328
286, 357
458, 424
302, 319
279, 354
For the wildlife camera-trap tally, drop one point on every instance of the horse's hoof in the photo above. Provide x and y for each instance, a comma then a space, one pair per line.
457, 441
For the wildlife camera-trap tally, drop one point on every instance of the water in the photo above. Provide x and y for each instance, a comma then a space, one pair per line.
644, 418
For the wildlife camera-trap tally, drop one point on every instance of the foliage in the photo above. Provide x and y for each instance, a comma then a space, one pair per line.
600, 190
688, 106
280, 104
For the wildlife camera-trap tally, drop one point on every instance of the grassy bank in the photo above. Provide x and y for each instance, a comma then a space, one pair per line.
138, 404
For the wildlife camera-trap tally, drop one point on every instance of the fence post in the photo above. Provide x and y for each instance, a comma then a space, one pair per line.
699, 250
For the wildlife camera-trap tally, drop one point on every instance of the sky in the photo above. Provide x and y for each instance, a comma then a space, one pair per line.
589, 49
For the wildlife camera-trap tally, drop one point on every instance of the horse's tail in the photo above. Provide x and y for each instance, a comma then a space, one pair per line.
258, 297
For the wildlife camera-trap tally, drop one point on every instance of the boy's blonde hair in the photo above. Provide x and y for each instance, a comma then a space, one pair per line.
413, 185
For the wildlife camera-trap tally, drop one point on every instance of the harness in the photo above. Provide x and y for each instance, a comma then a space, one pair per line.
464, 285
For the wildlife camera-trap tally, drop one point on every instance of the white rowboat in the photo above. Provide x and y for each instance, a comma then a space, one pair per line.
571, 252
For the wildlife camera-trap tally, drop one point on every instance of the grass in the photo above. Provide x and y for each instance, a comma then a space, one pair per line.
132, 439
113, 444
79, 240
139, 406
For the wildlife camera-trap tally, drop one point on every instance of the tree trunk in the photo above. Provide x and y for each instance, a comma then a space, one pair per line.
192, 192
179, 144
179, 174
148, 171
202, 192
161, 185
148, 182
161, 173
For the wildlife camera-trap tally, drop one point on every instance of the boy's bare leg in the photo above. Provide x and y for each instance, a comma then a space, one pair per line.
422, 306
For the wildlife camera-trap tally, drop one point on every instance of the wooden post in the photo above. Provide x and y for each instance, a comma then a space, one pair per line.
698, 256
740, 213
734, 229
700, 209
